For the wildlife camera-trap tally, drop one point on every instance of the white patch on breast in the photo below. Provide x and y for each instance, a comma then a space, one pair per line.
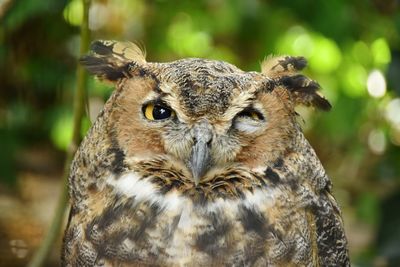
262, 198
185, 219
132, 185
223, 205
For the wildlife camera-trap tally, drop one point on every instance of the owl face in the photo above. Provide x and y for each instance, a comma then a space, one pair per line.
203, 115
207, 115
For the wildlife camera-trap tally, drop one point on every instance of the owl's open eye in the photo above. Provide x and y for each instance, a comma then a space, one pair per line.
251, 114
156, 111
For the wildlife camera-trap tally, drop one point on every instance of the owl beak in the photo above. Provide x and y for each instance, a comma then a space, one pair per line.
200, 158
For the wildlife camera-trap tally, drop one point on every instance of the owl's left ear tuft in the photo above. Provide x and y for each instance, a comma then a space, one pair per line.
284, 72
277, 66
112, 60
304, 91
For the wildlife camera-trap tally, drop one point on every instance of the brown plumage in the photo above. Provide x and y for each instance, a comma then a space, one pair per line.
198, 163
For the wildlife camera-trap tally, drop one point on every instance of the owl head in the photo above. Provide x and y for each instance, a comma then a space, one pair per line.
202, 116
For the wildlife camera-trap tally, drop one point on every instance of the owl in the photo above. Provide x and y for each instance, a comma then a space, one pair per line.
198, 163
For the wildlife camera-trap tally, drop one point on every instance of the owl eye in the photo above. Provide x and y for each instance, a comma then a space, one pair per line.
154, 111
248, 120
250, 113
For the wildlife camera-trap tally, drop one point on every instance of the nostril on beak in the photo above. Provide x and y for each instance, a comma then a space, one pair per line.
195, 141
209, 142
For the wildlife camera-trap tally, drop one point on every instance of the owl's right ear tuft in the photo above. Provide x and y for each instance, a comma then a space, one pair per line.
284, 72
112, 60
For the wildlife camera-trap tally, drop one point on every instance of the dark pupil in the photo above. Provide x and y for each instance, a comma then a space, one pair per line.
160, 112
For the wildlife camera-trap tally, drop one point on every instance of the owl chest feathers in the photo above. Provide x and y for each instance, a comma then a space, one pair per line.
198, 224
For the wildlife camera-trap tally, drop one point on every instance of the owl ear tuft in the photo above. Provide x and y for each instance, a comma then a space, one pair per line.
277, 66
304, 91
283, 72
113, 60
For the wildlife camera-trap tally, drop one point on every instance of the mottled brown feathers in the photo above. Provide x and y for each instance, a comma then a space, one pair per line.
198, 163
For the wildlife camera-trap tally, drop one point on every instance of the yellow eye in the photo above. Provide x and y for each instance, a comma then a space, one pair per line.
157, 111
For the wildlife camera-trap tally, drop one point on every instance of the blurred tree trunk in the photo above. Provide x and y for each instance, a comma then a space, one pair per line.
79, 107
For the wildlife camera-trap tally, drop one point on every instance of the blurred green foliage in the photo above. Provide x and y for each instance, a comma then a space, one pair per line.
353, 48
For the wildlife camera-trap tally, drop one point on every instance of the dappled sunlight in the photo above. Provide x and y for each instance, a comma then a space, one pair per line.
381, 52
376, 84
73, 12
185, 40
393, 112
377, 141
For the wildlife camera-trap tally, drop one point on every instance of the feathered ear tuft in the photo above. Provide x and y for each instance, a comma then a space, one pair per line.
278, 66
112, 60
283, 72
304, 91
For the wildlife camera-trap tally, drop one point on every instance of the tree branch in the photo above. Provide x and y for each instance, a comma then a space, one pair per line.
79, 108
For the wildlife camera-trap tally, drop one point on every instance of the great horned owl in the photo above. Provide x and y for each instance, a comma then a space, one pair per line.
198, 163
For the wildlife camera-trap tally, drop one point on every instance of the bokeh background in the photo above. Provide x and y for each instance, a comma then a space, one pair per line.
353, 48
